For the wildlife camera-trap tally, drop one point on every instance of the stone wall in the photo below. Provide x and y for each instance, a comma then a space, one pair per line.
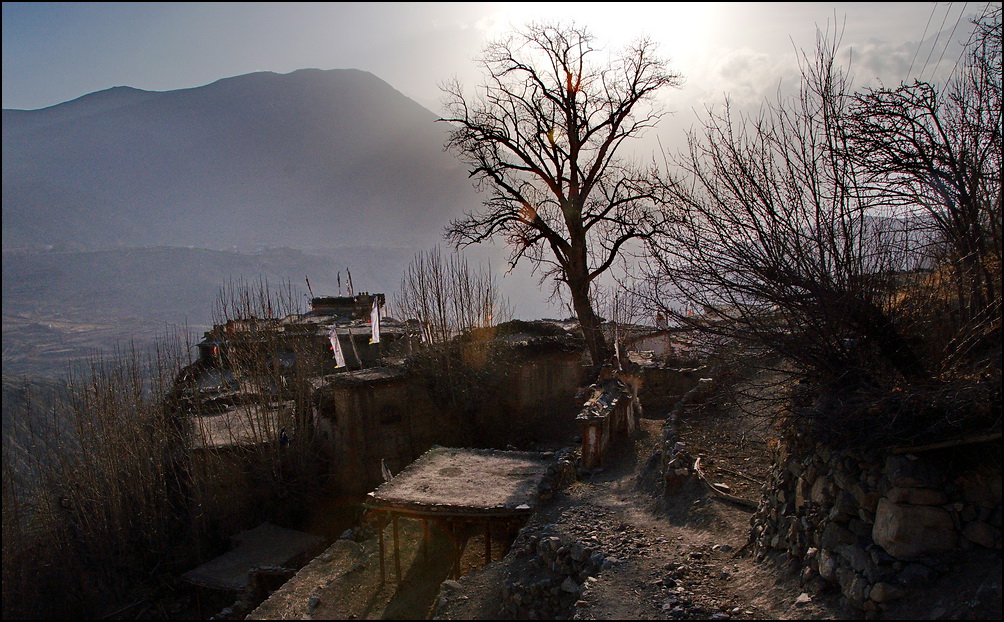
560, 571
878, 525
665, 386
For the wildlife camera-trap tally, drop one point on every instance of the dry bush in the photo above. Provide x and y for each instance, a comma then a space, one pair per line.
102, 490
855, 238
89, 503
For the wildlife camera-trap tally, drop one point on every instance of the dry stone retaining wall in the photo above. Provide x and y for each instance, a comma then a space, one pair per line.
877, 525
560, 572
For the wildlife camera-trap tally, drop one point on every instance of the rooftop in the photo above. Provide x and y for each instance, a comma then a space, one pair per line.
447, 480
265, 545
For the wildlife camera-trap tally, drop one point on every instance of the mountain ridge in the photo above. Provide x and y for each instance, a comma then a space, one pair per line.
289, 159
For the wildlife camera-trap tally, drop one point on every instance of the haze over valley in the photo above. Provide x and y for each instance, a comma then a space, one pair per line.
125, 211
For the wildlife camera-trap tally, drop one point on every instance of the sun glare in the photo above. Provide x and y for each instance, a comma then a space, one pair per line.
682, 29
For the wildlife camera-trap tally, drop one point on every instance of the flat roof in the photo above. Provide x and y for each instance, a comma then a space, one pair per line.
265, 545
462, 481
242, 424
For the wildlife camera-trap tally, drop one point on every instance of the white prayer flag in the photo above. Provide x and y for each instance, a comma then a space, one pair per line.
375, 321
337, 347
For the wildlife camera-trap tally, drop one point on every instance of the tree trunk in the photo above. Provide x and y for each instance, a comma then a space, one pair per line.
590, 323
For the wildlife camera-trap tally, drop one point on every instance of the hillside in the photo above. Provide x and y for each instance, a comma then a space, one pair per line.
125, 211
63, 306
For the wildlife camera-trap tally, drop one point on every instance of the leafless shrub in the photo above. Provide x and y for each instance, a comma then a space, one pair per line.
103, 488
774, 241
89, 501
937, 154
448, 297
789, 240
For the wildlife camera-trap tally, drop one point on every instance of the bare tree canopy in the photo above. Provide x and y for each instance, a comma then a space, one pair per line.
853, 239
939, 154
775, 237
543, 137
449, 297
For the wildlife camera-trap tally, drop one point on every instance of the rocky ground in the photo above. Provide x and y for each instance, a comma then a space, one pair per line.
683, 556
612, 545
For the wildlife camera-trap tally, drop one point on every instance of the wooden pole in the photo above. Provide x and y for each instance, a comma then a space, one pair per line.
462, 546
455, 569
488, 542
397, 548
425, 538
380, 527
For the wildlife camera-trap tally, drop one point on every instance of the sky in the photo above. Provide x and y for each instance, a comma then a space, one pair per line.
55, 52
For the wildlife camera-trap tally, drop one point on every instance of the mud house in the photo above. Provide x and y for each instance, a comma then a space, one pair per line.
256, 377
306, 336
388, 416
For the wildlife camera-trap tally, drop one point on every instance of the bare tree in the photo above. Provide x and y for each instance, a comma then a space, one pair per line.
939, 154
544, 137
776, 245
448, 297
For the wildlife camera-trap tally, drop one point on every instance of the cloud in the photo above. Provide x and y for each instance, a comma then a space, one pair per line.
744, 75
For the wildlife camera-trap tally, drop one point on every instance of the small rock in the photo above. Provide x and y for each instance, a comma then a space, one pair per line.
451, 585
803, 600
313, 603
569, 585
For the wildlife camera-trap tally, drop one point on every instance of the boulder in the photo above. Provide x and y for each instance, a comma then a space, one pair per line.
983, 534
917, 496
909, 531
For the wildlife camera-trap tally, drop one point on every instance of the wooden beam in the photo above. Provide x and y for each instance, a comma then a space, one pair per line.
397, 548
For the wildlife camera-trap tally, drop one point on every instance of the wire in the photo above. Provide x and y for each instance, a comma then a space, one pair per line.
935, 44
908, 71
949, 42
965, 48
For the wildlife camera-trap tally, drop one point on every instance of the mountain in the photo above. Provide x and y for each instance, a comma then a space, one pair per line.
307, 159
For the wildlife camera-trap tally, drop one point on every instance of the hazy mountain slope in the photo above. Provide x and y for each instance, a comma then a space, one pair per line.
60, 307
307, 158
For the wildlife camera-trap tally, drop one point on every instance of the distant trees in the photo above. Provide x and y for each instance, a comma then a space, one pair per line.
544, 138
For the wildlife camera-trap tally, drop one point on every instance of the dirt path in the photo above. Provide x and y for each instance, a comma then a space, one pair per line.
675, 556
678, 557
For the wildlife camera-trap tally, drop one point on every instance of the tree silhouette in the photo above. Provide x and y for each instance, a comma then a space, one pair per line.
543, 137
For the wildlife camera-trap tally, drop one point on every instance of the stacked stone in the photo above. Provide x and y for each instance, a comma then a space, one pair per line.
561, 574
664, 386
559, 474
676, 464
878, 526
